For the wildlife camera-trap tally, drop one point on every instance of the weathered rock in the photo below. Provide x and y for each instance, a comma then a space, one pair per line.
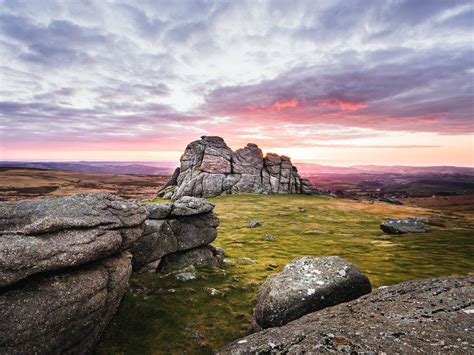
248, 160
421, 316
201, 256
62, 312
158, 239
55, 233
210, 168
158, 210
168, 236
403, 225
306, 285
188, 206
194, 231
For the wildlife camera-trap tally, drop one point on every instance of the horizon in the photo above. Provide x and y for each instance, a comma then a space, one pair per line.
330, 82
177, 163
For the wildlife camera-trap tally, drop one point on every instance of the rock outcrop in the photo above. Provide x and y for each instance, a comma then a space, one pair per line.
305, 285
404, 225
422, 316
177, 227
210, 168
65, 263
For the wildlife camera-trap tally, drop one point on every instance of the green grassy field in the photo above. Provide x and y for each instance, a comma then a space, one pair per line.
161, 314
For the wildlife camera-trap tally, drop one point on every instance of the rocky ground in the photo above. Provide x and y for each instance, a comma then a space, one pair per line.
429, 316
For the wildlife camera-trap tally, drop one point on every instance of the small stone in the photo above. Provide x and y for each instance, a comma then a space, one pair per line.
212, 291
269, 237
186, 276
254, 223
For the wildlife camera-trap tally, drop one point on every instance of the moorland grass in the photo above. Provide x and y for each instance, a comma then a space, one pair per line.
161, 314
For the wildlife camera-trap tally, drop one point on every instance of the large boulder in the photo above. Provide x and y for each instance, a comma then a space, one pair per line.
65, 311
55, 233
422, 316
210, 168
403, 225
306, 285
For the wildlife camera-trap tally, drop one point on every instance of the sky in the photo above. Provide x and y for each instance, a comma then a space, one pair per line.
332, 82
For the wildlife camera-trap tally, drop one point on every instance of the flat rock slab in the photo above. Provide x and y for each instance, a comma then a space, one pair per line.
423, 316
403, 225
36, 217
55, 233
189, 206
306, 285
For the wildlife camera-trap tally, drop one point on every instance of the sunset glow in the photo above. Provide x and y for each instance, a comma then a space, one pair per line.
332, 82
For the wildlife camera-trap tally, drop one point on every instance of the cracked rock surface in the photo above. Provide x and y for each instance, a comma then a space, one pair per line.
420, 316
210, 168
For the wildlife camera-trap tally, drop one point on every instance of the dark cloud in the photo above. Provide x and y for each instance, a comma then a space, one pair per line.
58, 43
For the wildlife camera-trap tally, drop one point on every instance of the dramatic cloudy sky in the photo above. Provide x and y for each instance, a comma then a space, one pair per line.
335, 82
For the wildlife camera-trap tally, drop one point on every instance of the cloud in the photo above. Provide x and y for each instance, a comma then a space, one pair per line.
425, 91
286, 73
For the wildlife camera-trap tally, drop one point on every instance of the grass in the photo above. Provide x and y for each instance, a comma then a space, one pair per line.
163, 315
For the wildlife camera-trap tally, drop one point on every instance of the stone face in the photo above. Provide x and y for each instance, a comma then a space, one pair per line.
403, 225
194, 231
157, 240
305, 285
430, 316
189, 223
210, 168
62, 312
51, 234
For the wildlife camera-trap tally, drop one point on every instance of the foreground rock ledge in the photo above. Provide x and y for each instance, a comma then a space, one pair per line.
431, 316
307, 284
56, 233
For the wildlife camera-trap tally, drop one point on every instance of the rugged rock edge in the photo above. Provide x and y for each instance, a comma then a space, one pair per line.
432, 315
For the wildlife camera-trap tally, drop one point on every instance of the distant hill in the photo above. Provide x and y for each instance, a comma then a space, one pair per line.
380, 169
159, 168
167, 168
